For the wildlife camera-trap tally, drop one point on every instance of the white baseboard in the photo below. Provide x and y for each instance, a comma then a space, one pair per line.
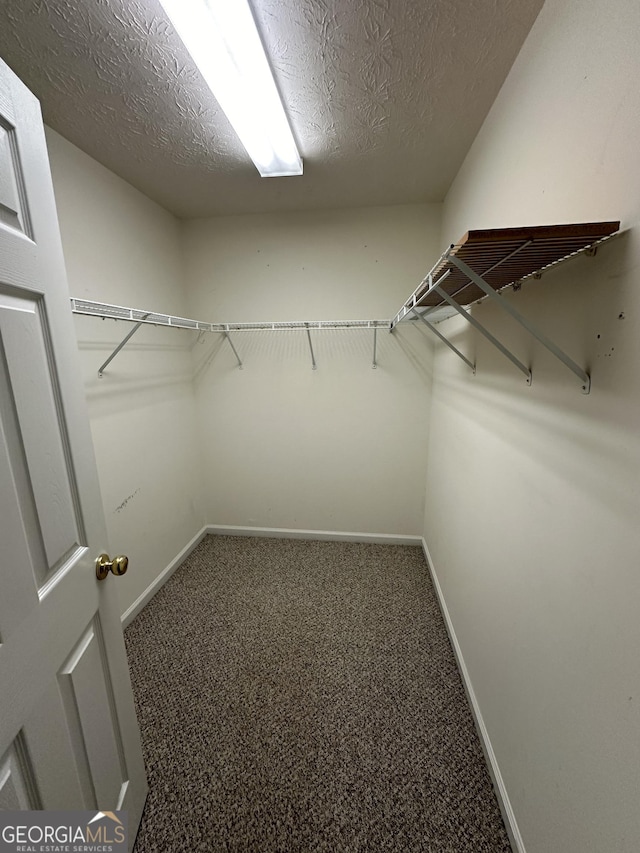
498, 782
322, 535
131, 612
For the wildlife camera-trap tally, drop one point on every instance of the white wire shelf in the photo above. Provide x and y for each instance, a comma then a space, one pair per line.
153, 318
506, 257
484, 262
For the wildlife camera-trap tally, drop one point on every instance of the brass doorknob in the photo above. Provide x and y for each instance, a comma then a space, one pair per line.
118, 566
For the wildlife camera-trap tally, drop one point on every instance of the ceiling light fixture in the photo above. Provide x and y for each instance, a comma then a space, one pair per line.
224, 43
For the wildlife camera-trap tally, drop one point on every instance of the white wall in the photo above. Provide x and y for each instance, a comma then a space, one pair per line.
122, 248
532, 493
339, 448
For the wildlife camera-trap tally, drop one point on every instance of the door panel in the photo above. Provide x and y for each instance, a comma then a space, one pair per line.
33, 396
85, 681
17, 789
47, 737
20, 531
11, 184
68, 733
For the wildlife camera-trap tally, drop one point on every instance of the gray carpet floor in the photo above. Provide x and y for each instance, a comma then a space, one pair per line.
303, 696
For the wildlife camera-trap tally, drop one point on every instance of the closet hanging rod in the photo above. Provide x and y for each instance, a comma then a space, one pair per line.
153, 318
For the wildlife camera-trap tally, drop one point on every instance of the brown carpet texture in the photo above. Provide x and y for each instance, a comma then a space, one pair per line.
303, 696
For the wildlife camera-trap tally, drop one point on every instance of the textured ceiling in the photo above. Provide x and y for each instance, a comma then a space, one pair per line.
384, 96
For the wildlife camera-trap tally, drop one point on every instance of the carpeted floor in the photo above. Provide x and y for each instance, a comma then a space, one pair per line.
303, 696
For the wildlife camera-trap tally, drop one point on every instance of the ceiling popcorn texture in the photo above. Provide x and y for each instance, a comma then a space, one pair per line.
384, 96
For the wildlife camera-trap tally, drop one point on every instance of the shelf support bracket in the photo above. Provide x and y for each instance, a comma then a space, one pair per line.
446, 341
235, 352
122, 343
582, 375
375, 343
472, 320
313, 358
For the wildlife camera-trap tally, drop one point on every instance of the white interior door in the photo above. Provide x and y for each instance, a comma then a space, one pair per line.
68, 734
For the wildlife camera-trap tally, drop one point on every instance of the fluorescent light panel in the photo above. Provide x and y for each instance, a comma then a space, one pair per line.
223, 41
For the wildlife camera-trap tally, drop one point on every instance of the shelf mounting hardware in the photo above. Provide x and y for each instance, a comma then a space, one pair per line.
477, 325
122, 343
446, 341
313, 358
235, 352
533, 330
